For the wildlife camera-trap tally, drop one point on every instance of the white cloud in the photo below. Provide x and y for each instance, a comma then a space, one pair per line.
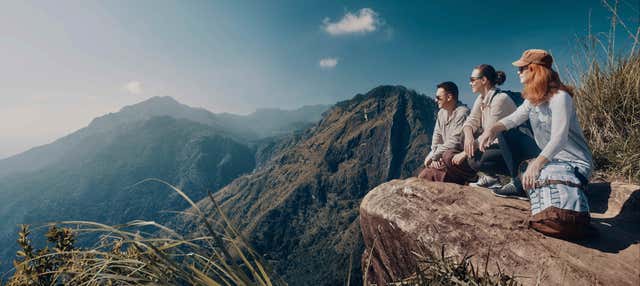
364, 21
328, 63
133, 87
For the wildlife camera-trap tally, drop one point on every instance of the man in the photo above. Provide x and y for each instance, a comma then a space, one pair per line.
446, 134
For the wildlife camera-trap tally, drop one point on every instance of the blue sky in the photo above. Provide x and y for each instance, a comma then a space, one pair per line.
66, 62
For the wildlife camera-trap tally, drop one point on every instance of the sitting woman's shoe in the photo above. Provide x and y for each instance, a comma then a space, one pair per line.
511, 191
488, 182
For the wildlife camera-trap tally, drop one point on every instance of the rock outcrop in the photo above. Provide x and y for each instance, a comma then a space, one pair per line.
402, 216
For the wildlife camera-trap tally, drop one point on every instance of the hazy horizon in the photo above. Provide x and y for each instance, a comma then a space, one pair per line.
67, 62
150, 97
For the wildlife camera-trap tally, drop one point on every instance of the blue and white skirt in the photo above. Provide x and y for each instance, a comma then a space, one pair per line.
562, 196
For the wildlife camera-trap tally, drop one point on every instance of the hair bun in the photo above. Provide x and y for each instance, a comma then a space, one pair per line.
501, 77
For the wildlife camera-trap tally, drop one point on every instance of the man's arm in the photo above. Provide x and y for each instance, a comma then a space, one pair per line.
436, 141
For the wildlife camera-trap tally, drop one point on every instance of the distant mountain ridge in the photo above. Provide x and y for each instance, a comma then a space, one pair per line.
265, 122
152, 107
257, 125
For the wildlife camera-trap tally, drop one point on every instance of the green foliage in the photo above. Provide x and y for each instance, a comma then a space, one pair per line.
126, 255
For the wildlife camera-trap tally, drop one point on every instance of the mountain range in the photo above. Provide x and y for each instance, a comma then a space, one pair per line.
91, 174
291, 181
300, 207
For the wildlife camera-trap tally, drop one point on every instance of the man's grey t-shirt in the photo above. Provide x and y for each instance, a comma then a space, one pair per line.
447, 133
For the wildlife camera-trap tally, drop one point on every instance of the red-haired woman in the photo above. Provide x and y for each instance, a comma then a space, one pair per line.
556, 178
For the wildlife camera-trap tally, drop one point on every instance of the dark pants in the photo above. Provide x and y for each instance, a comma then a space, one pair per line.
489, 162
450, 173
515, 146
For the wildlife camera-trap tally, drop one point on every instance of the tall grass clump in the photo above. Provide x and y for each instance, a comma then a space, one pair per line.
128, 254
440, 270
608, 98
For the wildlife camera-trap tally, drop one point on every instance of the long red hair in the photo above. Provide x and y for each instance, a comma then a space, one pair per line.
544, 83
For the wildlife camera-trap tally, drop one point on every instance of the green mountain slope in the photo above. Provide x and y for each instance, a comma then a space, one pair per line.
96, 181
300, 207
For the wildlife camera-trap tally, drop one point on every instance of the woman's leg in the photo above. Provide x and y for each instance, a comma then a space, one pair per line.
517, 145
489, 162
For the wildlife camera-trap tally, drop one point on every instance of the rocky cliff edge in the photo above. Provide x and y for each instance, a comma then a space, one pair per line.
402, 217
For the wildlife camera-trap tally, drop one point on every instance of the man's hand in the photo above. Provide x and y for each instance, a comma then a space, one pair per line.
459, 158
437, 164
427, 161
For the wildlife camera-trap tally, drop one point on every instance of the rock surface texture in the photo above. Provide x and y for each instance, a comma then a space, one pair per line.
401, 216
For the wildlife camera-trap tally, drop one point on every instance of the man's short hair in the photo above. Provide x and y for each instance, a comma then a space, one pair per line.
449, 87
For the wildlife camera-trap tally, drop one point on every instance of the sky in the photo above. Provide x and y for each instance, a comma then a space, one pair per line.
63, 63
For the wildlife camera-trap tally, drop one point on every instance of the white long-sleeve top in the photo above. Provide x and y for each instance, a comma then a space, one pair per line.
556, 130
488, 109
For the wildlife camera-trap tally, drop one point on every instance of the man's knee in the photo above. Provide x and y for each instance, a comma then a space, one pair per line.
424, 173
448, 155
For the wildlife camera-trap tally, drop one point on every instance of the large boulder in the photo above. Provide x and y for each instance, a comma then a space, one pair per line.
403, 217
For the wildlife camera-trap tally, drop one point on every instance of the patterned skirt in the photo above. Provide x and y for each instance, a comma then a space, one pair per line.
559, 206
568, 195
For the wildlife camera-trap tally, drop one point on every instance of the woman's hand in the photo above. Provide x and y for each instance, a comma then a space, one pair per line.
486, 139
469, 145
459, 158
489, 135
531, 175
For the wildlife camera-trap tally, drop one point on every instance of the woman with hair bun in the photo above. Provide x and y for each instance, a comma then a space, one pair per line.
555, 180
491, 105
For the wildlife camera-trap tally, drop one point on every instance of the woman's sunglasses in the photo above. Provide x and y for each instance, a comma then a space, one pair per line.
523, 68
474, 78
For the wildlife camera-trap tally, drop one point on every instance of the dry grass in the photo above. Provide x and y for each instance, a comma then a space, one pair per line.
608, 99
126, 255
441, 270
